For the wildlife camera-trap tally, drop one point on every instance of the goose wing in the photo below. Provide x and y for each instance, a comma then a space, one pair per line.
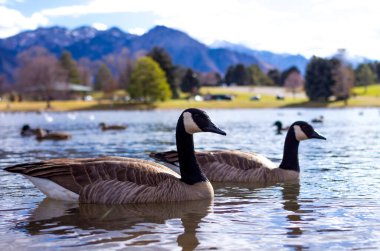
234, 158
90, 177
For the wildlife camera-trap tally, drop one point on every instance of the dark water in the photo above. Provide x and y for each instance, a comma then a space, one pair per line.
336, 204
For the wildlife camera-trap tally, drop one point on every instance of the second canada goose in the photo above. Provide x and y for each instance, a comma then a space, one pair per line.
106, 127
117, 180
42, 134
238, 166
26, 130
279, 126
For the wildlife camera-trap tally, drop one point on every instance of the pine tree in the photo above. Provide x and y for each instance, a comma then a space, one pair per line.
190, 82
319, 79
159, 55
71, 68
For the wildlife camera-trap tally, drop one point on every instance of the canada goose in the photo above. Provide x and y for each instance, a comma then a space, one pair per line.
118, 180
42, 134
238, 166
105, 127
318, 120
26, 130
279, 126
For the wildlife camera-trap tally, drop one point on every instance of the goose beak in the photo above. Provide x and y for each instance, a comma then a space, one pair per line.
316, 135
212, 128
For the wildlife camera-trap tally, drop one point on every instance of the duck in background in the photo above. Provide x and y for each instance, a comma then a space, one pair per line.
106, 127
320, 119
42, 134
26, 130
279, 126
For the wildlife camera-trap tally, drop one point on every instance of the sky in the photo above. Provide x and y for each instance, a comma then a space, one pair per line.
306, 27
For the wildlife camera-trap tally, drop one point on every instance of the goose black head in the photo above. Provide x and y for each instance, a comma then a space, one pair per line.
195, 120
303, 131
25, 128
278, 124
102, 124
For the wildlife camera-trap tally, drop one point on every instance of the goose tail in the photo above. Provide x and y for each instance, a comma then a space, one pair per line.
21, 168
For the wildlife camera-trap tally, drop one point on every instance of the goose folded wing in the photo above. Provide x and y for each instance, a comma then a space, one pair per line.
234, 159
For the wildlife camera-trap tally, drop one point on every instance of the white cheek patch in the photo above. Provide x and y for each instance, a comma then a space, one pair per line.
300, 135
190, 126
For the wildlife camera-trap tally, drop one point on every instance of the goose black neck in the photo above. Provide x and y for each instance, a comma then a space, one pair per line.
290, 158
190, 171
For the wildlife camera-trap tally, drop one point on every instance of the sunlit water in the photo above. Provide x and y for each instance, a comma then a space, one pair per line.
336, 204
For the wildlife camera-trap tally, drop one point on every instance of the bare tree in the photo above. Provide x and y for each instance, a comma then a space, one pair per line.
39, 72
294, 82
344, 81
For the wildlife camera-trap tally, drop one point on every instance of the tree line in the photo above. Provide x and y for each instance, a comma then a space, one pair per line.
153, 76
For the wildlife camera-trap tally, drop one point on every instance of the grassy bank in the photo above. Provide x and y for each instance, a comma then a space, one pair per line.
241, 100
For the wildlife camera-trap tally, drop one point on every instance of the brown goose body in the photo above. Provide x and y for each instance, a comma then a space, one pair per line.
53, 136
111, 180
235, 166
106, 127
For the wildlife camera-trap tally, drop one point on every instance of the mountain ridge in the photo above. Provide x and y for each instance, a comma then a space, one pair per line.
94, 44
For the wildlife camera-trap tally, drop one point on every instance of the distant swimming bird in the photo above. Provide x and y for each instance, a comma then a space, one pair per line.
279, 126
117, 180
106, 127
320, 119
42, 134
26, 130
238, 166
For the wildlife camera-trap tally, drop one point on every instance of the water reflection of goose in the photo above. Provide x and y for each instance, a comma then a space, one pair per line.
238, 166
59, 218
290, 193
117, 180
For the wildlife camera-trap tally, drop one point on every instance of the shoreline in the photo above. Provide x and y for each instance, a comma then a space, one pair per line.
71, 106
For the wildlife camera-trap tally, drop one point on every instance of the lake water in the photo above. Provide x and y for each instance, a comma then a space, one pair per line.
336, 204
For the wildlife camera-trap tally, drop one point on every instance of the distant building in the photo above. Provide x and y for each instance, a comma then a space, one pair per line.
57, 91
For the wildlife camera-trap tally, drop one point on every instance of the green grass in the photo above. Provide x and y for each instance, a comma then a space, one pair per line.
241, 100
372, 90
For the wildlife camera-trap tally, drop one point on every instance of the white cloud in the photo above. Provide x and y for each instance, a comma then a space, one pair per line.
298, 26
12, 21
100, 26
137, 31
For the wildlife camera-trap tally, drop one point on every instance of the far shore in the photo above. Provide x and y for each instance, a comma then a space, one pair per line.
242, 95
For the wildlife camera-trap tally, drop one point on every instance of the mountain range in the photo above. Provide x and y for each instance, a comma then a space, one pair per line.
185, 51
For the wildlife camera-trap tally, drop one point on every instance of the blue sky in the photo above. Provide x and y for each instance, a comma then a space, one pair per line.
307, 27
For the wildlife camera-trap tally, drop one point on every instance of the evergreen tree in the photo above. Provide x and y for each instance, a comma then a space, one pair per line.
238, 74
257, 77
229, 77
319, 79
365, 75
241, 75
275, 75
164, 60
71, 68
190, 82
148, 81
